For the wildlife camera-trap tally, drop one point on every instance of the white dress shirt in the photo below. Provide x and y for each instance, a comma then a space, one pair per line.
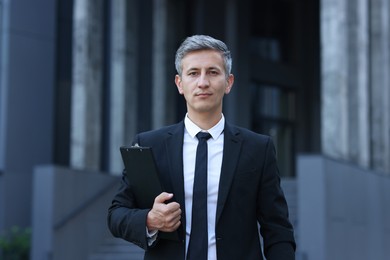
214, 163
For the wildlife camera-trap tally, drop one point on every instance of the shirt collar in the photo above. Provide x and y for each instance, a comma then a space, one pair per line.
193, 129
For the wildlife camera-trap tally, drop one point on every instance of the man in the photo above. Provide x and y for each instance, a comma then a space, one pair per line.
242, 188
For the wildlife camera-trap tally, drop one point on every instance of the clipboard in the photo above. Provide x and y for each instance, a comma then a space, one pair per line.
142, 174
143, 177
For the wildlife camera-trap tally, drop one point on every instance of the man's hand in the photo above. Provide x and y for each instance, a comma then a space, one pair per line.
164, 217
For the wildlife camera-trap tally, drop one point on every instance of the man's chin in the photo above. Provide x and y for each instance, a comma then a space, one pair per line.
205, 110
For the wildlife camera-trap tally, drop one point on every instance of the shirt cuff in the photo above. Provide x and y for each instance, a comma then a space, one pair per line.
151, 236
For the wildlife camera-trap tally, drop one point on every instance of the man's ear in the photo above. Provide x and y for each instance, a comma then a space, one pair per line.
178, 84
230, 81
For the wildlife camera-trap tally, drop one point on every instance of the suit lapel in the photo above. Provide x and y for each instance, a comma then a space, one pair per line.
174, 150
231, 152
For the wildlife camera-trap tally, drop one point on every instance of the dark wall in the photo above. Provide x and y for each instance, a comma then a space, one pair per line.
27, 103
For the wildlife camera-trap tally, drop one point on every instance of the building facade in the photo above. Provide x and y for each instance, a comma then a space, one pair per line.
79, 78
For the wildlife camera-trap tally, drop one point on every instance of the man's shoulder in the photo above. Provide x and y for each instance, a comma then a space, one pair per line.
168, 129
157, 136
246, 133
251, 140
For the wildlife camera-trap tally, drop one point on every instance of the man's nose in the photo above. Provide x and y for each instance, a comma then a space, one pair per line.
203, 80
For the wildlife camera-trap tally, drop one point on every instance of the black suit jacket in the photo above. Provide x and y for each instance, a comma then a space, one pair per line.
249, 194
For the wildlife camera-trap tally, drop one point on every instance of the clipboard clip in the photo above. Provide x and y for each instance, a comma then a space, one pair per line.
136, 145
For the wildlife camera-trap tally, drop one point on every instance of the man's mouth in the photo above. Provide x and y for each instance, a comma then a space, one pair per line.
203, 94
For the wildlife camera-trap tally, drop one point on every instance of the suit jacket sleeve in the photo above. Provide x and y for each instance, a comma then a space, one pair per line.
124, 219
275, 227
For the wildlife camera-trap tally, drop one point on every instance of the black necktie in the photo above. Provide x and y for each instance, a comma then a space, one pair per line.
197, 248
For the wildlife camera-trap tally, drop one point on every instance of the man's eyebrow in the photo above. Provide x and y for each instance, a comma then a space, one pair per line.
208, 68
214, 68
192, 68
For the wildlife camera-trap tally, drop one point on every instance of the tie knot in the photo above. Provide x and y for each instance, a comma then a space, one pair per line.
203, 136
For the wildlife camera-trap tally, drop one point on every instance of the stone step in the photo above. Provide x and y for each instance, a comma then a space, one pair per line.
117, 249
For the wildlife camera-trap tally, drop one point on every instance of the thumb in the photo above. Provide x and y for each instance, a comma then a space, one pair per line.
164, 196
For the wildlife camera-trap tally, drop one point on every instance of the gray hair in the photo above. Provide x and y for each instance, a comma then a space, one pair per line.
203, 42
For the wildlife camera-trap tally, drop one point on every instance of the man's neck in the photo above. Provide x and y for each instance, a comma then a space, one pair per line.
206, 120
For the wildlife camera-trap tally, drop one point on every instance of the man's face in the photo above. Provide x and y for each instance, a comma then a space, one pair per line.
203, 81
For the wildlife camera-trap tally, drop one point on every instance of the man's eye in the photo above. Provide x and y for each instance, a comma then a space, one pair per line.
193, 73
214, 72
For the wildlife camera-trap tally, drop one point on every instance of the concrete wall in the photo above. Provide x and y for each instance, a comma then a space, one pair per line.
355, 93
343, 211
27, 73
69, 212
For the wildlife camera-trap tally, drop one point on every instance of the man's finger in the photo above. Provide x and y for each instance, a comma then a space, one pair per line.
164, 196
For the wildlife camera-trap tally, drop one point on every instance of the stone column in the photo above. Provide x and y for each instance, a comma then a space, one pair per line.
230, 101
4, 34
123, 85
4, 59
87, 84
380, 85
345, 56
334, 82
27, 86
164, 48
355, 47
358, 83
160, 63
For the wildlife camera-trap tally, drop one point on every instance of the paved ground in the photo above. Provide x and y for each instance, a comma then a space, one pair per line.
118, 249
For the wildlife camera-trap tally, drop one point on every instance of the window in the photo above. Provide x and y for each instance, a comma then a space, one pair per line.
275, 76
273, 110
